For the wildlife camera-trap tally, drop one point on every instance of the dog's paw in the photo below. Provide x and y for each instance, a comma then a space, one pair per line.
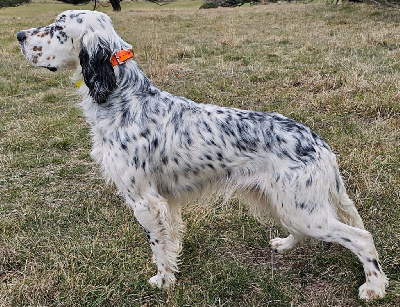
372, 290
281, 245
153, 281
162, 282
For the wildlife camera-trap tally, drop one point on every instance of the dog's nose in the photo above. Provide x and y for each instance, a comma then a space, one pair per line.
21, 36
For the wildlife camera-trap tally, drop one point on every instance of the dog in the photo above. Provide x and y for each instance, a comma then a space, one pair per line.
161, 151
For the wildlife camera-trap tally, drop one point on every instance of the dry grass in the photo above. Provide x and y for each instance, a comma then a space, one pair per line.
66, 240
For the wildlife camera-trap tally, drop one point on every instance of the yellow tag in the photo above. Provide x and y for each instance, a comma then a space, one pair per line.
77, 83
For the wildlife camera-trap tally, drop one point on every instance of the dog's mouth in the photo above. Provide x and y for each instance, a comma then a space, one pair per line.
51, 68
22, 47
34, 59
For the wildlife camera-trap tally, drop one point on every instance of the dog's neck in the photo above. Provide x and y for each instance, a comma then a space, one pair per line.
127, 73
132, 86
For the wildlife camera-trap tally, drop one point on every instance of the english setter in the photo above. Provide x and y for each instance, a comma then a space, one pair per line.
161, 150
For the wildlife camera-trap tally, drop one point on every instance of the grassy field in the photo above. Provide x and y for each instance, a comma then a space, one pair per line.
67, 239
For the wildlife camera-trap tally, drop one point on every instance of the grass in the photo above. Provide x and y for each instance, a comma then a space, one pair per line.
67, 239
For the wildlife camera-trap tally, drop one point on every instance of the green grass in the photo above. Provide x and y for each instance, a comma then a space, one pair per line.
67, 239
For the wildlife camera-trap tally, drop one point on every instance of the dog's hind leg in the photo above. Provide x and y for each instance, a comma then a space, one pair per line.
261, 208
361, 243
163, 227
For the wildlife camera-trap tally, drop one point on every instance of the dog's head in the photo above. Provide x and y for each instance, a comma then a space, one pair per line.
77, 37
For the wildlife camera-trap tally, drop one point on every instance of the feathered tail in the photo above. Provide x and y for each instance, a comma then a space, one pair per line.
346, 210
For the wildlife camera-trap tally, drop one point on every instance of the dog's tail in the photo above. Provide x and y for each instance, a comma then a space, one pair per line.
346, 210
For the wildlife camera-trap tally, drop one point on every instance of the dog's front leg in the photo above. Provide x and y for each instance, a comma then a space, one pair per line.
163, 231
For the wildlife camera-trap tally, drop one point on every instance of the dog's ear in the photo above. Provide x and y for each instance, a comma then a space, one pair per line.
97, 71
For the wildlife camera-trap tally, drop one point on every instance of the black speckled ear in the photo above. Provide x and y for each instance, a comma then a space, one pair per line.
97, 70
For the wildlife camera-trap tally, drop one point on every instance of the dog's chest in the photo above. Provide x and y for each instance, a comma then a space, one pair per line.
119, 155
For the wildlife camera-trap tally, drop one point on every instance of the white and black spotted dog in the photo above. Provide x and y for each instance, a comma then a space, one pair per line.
162, 150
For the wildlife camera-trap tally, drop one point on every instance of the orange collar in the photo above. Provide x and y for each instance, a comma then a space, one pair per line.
121, 56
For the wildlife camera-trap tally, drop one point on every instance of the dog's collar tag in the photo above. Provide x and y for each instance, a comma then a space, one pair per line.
120, 57
78, 83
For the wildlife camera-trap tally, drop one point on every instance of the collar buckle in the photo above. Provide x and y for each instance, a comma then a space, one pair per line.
120, 57
115, 55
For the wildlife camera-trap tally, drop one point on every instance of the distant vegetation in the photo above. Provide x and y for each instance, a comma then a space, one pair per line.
232, 3
115, 3
5, 3
227, 3
209, 3
75, 1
